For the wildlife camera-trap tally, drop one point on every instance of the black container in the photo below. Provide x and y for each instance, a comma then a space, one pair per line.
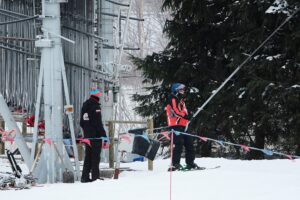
68, 176
137, 131
144, 147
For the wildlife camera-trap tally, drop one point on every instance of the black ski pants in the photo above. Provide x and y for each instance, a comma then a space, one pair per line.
91, 161
181, 141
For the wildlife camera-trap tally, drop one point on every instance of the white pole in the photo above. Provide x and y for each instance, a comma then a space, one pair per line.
37, 114
70, 117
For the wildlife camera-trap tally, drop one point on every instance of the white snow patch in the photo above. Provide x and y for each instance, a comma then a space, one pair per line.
241, 95
235, 180
256, 57
270, 58
267, 88
279, 6
296, 86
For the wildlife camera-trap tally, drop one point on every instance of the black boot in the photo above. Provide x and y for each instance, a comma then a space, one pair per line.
86, 180
193, 166
175, 167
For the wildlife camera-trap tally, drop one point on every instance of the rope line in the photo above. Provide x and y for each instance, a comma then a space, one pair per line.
242, 146
5, 137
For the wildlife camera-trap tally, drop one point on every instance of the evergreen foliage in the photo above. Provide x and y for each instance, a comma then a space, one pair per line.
260, 106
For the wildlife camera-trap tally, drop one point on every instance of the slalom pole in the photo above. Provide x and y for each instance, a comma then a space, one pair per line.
240, 66
171, 149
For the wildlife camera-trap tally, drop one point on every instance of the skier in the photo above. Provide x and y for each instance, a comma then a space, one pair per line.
91, 123
177, 119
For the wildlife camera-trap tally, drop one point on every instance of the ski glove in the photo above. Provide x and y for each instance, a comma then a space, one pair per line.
188, 117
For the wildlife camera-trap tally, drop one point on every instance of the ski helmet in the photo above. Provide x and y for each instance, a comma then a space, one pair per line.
176, 86
95, 92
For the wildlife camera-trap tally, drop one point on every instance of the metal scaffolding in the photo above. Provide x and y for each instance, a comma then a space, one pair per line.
20, 59
51, 53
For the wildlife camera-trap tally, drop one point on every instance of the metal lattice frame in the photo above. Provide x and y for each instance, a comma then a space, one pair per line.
18, 82
28, 73
20, 60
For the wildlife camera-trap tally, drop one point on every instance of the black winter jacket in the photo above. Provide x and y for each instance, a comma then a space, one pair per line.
91, 119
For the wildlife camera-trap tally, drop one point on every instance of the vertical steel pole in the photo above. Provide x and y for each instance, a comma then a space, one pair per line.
37, 114
52, 62
70, 117
105, 28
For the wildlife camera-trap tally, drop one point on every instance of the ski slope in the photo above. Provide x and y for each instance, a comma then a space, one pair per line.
235, 180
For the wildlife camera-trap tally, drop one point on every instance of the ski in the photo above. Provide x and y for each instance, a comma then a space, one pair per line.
184, 169
15, 180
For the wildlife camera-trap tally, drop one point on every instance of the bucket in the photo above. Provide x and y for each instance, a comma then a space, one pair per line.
146, 148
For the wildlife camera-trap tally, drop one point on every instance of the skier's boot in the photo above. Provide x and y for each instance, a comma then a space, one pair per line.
193, 166
86, 180
175, 167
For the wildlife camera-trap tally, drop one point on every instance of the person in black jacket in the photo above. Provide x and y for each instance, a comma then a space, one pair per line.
91, 123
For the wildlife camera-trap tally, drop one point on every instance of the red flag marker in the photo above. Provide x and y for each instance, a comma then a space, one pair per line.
48, 141
202, 138
126, 138
8, 135
290, 158
245, 148
86, 141
165, 134
105, 145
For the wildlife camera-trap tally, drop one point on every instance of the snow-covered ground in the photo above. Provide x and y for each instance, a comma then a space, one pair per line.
235, 180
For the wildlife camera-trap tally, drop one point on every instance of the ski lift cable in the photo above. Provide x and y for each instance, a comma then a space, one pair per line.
241, 65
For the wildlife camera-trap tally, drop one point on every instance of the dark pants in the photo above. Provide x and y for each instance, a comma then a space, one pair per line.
180, 141
91, 161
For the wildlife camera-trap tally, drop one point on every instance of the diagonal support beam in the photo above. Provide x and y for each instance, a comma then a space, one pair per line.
11, 124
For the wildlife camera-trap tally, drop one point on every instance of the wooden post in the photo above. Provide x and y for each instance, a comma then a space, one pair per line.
24, 128
2, 146
150, 134
80, 152
111, 146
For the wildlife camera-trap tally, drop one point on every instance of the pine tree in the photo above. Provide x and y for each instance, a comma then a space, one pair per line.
208, 39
